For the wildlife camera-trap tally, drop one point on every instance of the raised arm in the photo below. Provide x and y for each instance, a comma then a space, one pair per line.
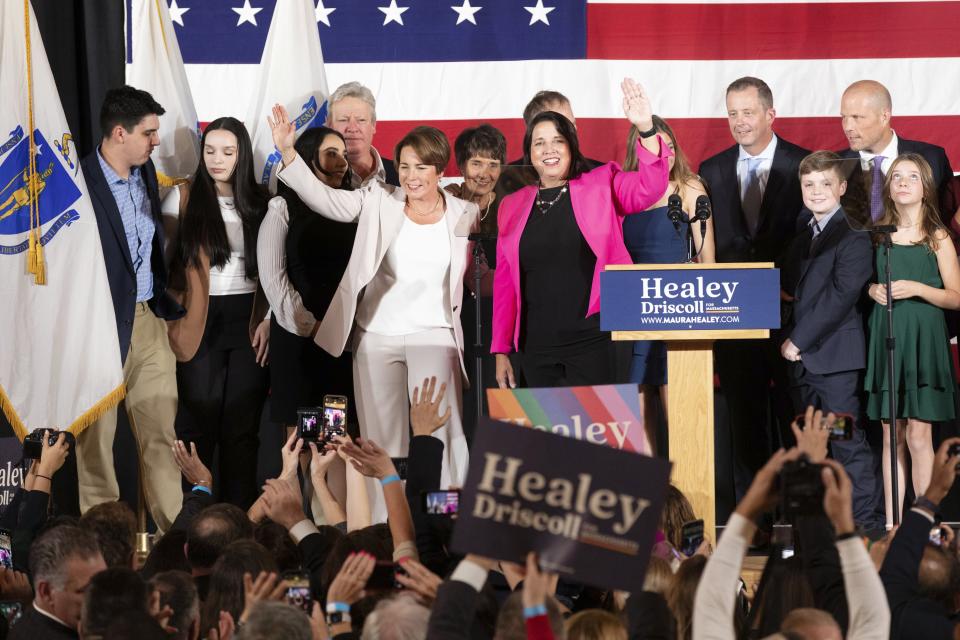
637, 190
336, 204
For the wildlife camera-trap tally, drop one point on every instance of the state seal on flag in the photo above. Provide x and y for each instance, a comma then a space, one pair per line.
54, 189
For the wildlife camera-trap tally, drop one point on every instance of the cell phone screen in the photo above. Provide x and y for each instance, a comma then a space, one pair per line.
691, 536
6, 552
441, 503
842, 428
334, 416
308, 424
298, 592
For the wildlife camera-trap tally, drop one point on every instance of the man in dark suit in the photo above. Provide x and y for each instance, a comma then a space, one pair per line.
755, 194
62, 562
353, 112
866, 112
824, 271
122, 182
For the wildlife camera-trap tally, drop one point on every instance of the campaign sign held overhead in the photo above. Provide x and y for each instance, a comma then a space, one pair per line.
591, 513
683, 298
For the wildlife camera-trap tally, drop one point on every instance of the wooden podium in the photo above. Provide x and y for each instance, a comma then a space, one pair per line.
690, 354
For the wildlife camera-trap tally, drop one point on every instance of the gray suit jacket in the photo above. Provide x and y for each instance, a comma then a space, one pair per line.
378, 212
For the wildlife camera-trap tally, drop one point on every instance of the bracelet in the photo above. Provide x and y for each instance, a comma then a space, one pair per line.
338, 607
45, 477
846, 536
384, 481
927, 504
200, 487
534, 611
649, 133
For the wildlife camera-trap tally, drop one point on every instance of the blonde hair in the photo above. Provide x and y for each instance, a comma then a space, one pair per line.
595, 624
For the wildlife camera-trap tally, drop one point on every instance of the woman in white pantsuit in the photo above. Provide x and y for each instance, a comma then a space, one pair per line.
398, 303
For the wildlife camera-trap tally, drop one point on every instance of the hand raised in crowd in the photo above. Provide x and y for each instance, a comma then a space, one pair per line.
52, 456
320, 460
261, 342
161, 614
225, 627
878, 293
369, 459
283, 503
318, 623
284, 133
190, 465
790, 351
762, 496
813, 438
537, 584
838, 497
351, 580
419, 580
290, 457
15, 586
267, 586
505, 377
636, 105
425, 415
944, 472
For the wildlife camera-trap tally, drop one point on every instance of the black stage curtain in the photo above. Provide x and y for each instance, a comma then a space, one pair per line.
85, 45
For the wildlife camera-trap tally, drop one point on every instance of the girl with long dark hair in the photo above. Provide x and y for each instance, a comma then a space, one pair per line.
222, 342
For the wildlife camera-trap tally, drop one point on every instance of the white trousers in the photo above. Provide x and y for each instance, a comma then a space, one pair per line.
385, 371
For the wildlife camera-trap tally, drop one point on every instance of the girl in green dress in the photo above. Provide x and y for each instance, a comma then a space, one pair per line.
926, 280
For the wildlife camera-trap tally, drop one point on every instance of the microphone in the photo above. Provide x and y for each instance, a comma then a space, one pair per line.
675, 210
703, 214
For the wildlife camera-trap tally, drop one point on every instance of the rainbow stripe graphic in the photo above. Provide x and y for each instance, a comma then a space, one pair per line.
603, 414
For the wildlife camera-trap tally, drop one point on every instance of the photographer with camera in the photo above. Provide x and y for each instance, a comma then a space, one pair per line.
717, 593
921, 579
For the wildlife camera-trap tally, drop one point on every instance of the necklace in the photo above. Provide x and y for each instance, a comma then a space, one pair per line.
544, 205
491, 197
432, 209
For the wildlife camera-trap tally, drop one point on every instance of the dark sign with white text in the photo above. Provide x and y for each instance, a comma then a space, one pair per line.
590, 512
682, 299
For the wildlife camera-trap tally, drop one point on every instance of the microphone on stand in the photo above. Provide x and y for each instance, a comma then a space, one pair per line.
703, 214
675, 211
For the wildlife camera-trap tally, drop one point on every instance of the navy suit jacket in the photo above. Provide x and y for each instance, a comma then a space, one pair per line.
935, 156
390, 172
781, 205
827, 283
116, 252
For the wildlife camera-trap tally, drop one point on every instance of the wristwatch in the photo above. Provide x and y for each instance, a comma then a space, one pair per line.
927, 504
337, 617
649, 133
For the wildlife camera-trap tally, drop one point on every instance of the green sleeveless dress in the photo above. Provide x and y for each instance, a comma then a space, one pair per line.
924, 366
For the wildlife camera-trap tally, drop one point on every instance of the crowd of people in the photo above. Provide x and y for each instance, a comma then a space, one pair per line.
352, 282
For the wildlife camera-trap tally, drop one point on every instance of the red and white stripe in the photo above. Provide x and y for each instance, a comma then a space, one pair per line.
685, 53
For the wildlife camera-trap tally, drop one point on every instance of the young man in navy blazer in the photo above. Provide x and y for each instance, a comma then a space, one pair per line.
122, 182
824, 272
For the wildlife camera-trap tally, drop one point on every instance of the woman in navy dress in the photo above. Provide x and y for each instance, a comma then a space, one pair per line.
652, 239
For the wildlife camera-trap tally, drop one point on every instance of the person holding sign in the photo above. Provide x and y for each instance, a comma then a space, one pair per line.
555, 239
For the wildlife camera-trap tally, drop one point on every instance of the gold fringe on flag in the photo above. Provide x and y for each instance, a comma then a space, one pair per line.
86, 419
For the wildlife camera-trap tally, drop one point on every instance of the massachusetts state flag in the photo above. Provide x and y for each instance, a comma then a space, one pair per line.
60, 357
453, 63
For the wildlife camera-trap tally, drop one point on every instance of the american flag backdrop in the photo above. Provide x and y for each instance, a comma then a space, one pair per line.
454, 63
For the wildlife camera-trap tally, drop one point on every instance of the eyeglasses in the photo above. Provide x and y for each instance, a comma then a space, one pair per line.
912, 178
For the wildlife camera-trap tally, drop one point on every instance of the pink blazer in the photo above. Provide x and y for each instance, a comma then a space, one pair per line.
601, 198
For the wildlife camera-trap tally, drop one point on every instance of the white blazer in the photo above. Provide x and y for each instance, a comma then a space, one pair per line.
378, 211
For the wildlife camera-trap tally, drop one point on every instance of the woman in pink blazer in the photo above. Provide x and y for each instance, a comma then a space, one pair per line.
555, 239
